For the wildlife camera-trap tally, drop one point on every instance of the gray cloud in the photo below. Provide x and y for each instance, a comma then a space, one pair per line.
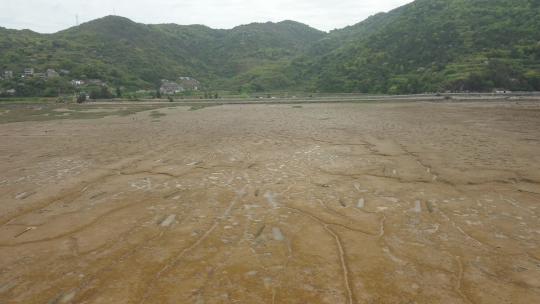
54, 15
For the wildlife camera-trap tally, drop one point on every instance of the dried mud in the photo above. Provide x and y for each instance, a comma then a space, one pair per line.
328, 203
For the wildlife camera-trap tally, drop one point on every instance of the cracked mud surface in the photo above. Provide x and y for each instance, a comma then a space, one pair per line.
328, 203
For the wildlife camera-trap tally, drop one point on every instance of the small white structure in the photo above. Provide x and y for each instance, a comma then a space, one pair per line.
8, 74
170, 88
189, 83
51, 73
77, 82
29, 72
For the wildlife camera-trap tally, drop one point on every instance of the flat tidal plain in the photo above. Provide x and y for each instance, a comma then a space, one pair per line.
414, 202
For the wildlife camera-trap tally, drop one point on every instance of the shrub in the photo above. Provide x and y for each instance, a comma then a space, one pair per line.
81, 98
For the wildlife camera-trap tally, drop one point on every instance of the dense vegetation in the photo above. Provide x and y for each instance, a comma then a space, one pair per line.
425, 46
429, 46
137, 56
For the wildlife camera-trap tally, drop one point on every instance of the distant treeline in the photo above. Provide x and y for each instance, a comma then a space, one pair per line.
425, 46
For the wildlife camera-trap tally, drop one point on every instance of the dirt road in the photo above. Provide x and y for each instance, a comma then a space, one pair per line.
323, 203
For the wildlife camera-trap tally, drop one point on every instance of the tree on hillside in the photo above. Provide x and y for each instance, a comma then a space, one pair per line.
101, 93
81, 97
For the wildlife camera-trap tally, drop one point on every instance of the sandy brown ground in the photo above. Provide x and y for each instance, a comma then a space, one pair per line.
327, 203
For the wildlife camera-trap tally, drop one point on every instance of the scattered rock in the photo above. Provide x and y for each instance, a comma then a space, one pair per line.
276, 233
391, 199
67, 298
267, 282
270, 198
429, 207
520, 269
7, 286
417, 207
23, 195
251, 273
168, 221
361, 203
259, 231
96, 196
25, 231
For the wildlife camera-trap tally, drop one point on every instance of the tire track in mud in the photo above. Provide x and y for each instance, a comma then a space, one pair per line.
341, 251
333, 223
70, 195
127, 254
112, 170
98, 217
96, 220
332, 143
458, 274
109, 266
434, 179
173, 261
481, 245
355, 176
336, 213
130, 251
459, 281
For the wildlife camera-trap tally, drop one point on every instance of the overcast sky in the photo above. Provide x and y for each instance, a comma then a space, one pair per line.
47, 16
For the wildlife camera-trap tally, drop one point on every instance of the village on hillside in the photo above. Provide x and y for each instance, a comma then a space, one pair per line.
53, 83
181, 85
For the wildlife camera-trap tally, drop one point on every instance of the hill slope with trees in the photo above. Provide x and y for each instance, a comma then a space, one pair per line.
428, 46
425, 46
124, 53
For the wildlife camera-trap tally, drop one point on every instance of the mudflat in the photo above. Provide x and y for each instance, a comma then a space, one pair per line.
317, 203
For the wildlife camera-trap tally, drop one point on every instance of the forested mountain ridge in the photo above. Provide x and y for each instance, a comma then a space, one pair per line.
424, 46
124, 53
428, 46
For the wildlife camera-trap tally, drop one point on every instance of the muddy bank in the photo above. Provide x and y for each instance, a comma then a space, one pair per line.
324, 203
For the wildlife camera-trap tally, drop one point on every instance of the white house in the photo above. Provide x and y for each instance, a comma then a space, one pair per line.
29, 72
170, 88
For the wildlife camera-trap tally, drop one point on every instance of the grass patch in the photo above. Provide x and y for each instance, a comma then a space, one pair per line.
157, 114
201, 106
12, 112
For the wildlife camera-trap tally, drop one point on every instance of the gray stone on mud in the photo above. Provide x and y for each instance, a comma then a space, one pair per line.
417, 207
23, 195
276, 233
361, 203
168, 221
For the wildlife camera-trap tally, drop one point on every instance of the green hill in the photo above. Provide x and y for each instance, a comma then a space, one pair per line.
428, 46
425, 46
124, 53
